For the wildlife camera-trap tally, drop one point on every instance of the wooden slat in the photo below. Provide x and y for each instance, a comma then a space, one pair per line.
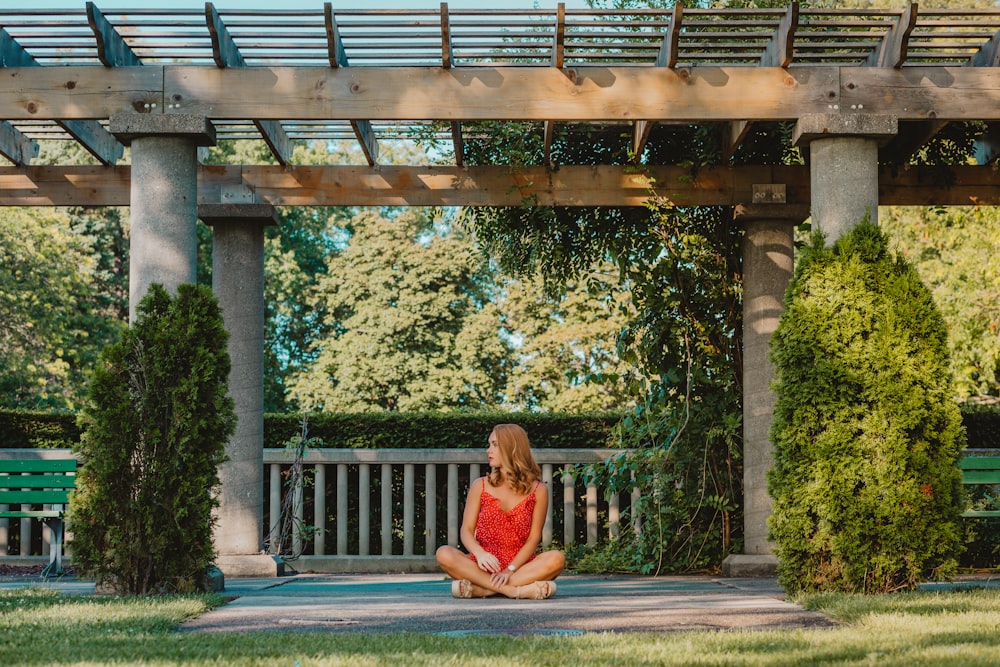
37, 481
227, 54
37, 465
33, 497
571, 185
891, 51
979, 463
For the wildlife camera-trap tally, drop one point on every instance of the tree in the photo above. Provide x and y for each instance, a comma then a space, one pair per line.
956, 251
52, 323
154, 434
866, 431
566, 344
410, 329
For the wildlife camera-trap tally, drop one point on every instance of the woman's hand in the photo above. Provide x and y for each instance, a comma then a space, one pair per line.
499, 579
488, 562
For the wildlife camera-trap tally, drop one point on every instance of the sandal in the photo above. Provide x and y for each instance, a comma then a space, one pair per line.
540, 590
461, 588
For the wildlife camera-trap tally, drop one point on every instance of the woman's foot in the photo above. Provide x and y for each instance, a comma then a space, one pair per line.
461, 588
540, 590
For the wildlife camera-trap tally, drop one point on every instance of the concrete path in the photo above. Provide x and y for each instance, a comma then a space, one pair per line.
423, 603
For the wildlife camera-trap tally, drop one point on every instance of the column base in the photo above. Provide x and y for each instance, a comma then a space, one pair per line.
250, 565
750, 565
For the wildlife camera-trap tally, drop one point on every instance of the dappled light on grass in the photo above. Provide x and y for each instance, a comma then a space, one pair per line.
40, 627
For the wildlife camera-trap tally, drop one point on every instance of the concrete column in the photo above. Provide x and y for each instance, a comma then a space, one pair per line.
163, 241
238, 281
768, 247
843, 167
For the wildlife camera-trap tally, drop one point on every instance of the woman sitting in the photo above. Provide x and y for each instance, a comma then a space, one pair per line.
502, 527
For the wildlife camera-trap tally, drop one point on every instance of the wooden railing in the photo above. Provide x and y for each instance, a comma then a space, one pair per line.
388, 503
367, 508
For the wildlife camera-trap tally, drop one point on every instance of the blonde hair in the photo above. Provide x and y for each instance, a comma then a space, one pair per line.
516, 458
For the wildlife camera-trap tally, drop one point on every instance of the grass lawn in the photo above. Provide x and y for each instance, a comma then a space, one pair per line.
40, 627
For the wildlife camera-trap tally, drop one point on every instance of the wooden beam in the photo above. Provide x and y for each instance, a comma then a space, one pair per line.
446, 50
81, 185
781, 49
362, 126
891, 51
227, 54
778, 53
15, 146
988, 146
667, 57
559, 38
988, 54
112, 50
548, 132
89, 133
621, 94
447, 59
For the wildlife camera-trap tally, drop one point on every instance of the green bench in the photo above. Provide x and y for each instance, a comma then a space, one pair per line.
39, 489
980, 470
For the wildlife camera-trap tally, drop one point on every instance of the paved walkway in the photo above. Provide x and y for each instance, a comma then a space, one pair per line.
423, 603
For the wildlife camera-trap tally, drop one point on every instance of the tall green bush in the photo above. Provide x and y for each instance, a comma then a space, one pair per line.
866, 428
154, 435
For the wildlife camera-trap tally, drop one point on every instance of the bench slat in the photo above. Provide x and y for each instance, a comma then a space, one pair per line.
973, 514
979, 462
38, 465
981, 477
31, 514
34, 497
37, 481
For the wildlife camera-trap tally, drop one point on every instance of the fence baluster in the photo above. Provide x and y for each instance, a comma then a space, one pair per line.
453, 504
319, 510
569, 507
409, 501
547, 527
430, 508
364, 509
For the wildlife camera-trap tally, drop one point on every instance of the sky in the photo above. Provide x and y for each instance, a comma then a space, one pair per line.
292, 4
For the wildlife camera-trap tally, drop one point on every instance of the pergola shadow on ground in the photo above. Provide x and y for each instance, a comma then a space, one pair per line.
861, 91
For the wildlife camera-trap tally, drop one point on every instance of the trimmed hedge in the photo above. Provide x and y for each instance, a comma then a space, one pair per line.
431, 430
22, 429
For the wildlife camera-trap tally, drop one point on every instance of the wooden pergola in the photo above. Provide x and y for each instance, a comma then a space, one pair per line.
863, 90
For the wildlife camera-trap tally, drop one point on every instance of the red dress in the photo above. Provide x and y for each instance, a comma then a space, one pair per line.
503, 533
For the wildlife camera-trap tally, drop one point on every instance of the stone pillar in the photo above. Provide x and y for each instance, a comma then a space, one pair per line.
768, 246
843, 167
238, 281
163, 240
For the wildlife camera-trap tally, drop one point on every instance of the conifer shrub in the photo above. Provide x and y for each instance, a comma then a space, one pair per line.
866, 429
154, 434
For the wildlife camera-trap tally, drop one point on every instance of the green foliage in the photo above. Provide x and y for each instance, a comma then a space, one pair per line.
52, 316
430, 430
154, 435
21, 429
982, 425
866, 430
408, 331
956, 251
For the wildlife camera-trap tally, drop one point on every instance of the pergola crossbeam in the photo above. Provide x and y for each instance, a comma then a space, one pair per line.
227, 54
15, 146
570, 185
891, 51
363, 130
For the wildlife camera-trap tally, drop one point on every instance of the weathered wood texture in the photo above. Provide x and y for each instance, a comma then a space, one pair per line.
478, 186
